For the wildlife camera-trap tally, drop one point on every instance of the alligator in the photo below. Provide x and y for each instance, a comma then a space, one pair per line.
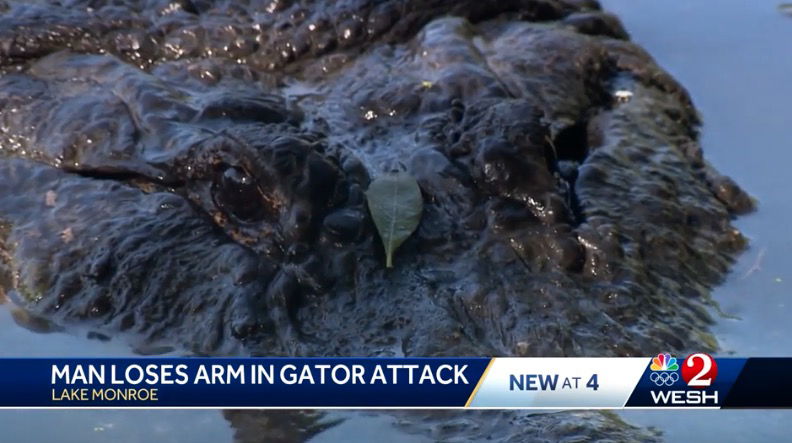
190, 176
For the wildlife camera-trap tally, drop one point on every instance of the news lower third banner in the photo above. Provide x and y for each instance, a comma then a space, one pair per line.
696, 381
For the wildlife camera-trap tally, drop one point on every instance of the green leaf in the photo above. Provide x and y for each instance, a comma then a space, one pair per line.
395, 203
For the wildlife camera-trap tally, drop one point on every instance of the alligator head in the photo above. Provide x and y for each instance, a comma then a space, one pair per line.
194, 175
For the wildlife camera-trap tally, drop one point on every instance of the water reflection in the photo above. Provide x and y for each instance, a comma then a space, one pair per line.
130, 426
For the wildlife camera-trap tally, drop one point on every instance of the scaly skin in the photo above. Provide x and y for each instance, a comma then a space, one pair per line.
190, 175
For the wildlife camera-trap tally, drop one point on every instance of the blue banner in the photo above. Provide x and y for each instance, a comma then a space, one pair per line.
697, 380
240, 382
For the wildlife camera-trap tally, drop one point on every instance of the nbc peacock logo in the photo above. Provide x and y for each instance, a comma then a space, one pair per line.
664, 370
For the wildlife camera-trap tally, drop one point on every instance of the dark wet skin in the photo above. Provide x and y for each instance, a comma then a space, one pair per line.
190, 176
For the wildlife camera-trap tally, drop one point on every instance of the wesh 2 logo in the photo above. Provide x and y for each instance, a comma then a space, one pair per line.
698, 372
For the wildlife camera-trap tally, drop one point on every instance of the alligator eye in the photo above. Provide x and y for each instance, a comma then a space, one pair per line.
237, 193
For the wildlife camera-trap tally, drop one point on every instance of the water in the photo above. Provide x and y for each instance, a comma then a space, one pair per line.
735, 58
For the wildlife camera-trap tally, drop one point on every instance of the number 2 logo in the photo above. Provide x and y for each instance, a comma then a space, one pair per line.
699, 370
